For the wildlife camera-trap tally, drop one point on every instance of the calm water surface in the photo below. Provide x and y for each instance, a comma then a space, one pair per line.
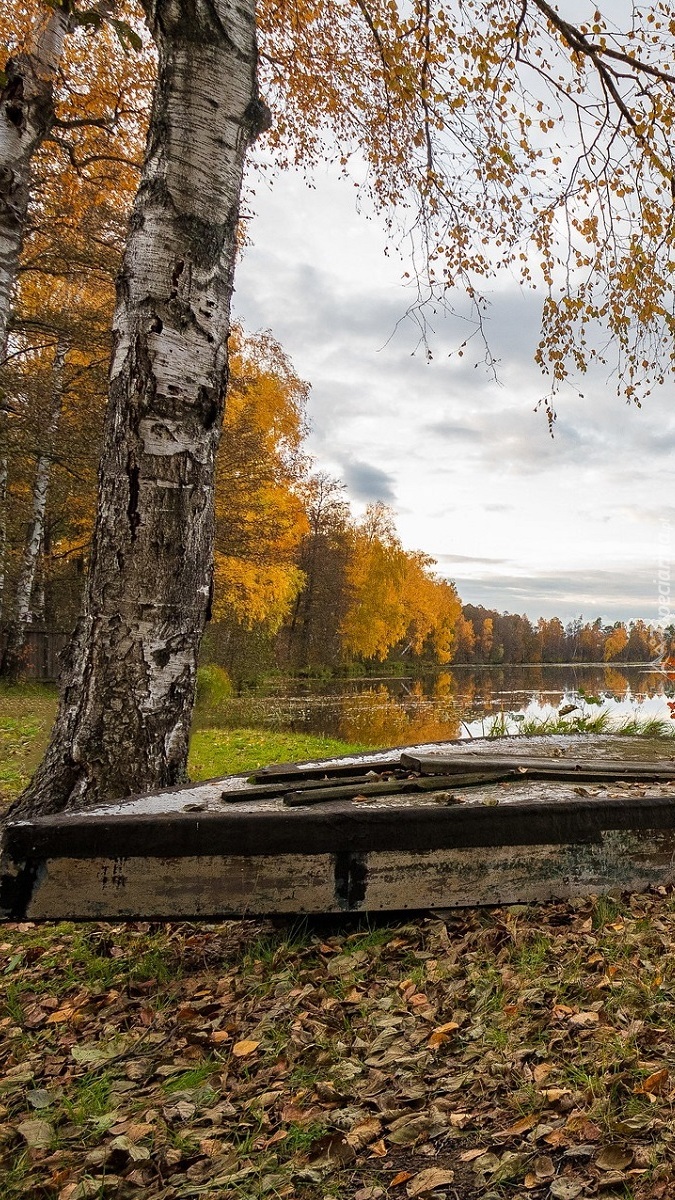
458, 702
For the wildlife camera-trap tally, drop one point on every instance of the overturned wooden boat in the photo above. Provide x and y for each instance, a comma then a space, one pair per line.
434, 826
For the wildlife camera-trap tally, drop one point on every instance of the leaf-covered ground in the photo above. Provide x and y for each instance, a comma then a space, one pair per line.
498, 1053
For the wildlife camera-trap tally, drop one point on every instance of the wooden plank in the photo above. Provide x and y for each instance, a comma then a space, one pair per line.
271, 790
288, 772
208, 885
397, 787
340, 826
622, 860
601, 768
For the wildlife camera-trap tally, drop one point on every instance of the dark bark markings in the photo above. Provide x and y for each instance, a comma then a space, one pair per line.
125, 712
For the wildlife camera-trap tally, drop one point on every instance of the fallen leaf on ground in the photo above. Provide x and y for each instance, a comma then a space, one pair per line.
61, 1014
486, 1163
653, 1084
245, 1047
364, 1133
566, 1189
542, 1072
408, 1130
543, 1167
37, 1134
614, 1158
441, 1034
426, 1181
520, 1126
583, 1020
469, 1155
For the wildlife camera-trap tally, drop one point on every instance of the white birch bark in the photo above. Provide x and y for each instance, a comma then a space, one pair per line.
18, 628
128, 688
26, 117
39, 598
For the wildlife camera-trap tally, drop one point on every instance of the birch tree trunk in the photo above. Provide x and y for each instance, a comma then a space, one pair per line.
128, 688
18, 628
26, 117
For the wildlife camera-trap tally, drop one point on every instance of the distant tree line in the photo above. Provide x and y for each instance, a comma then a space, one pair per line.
486, 636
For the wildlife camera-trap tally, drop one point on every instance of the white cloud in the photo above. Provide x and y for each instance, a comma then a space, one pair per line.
562, 523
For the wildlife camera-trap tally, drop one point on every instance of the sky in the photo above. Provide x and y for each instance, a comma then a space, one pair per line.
577, 524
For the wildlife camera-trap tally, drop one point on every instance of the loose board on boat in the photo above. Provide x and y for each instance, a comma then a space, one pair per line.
434, 826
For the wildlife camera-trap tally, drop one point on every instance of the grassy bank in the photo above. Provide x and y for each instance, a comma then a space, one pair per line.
26, 716
27, 713
228, 751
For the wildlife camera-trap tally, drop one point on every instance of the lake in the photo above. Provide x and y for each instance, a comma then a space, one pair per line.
453, 703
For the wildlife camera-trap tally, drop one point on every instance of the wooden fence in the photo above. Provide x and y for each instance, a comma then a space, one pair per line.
40, 658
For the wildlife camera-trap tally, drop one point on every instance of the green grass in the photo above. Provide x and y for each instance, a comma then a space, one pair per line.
90, 1098
646, 727
502, 724
26, 716
216, 752
189, 1080
27, 712
585, 723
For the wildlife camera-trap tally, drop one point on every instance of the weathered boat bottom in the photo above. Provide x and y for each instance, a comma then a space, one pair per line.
235, 885
193, 853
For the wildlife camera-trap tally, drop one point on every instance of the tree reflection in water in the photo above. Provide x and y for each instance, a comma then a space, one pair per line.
449, 704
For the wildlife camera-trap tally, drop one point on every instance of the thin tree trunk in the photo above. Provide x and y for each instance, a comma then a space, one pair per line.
26, 117
18, 628
39, 599
3, 515
128, 689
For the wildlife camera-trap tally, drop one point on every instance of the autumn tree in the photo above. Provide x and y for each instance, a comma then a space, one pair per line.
641, 642
311, 636
34, 106
395, 599
128, 690
616, 643
259, 505
465, 641
56, 386
590, 642
54, 380
27, 114
552, 639
487, 638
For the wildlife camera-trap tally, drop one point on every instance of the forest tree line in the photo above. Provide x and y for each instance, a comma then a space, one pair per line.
486, 636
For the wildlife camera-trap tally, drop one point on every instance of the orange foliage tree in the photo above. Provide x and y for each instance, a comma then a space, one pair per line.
395, 598
55, 377
260, 516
